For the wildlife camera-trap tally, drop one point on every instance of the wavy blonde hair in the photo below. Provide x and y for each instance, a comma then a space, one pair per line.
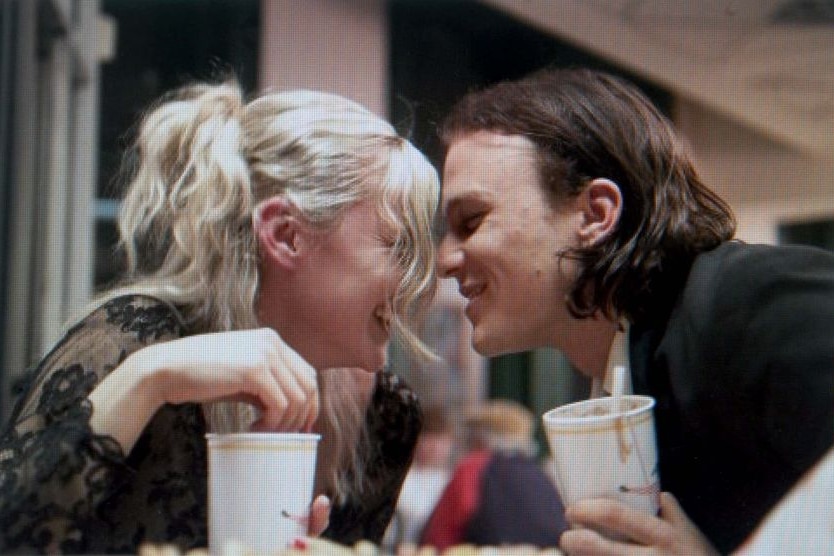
204, 158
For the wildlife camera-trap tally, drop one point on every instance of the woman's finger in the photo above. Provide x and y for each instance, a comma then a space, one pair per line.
300, 384
296, 400
307, 378
273, 401
319, 515
308, 415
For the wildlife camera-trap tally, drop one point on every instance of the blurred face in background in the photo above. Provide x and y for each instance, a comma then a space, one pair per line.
434, 450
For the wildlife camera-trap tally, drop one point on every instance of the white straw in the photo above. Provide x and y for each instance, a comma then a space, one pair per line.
618, 383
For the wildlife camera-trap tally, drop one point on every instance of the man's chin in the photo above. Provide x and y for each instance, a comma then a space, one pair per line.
488, 347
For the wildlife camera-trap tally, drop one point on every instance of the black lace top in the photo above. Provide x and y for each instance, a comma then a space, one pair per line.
65, 489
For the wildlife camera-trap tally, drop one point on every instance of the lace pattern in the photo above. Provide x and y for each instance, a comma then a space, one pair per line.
65, 489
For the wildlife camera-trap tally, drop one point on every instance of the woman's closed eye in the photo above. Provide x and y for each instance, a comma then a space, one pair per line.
393, 244
386, 237
390, 242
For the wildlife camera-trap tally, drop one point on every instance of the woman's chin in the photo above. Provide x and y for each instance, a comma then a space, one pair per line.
372, 360
379, 361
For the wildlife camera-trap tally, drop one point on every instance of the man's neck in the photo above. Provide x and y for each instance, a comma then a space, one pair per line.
591, 346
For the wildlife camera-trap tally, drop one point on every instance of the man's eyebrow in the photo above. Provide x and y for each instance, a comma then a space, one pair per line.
455, 203
451, 207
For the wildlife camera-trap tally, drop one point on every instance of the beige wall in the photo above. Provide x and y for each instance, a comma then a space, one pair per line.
339, 46
767, 183
771, 153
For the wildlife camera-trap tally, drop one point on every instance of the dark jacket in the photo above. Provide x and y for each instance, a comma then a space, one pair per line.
743, 372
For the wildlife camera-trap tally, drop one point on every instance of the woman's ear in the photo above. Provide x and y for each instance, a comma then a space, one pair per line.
279, 228
602, 204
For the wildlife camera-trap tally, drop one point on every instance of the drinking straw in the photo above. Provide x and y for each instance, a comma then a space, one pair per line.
618, 387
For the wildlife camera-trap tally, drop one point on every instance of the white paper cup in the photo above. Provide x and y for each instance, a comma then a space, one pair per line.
260, 489
605, 448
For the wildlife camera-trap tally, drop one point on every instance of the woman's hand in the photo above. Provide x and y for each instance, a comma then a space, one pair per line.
253, 366
670, 534
319, 516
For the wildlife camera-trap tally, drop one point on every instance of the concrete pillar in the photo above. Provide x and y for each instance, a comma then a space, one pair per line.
339, 46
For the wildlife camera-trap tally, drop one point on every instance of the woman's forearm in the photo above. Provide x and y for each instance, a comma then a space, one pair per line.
125, 401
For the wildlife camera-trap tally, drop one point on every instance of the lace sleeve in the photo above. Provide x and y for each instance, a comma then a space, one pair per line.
54, 472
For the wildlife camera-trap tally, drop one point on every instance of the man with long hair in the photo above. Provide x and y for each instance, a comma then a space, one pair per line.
575, 220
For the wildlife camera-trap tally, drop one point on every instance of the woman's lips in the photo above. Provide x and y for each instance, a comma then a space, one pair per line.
383, 318
384, 323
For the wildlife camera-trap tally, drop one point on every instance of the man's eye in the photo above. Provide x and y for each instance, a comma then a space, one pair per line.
471, 223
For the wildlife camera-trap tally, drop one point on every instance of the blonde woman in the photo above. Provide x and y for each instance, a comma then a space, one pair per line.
273, 247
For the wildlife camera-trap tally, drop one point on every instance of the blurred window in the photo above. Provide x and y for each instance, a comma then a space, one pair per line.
162, 44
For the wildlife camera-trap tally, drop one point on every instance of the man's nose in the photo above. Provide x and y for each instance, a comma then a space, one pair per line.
449, 258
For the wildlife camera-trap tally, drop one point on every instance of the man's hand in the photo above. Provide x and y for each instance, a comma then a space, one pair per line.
638, 533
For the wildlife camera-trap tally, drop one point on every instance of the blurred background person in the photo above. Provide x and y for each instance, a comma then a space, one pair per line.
429, 473
498, 493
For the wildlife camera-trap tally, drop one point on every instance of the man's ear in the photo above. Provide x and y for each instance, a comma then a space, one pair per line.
601, 204
279, 230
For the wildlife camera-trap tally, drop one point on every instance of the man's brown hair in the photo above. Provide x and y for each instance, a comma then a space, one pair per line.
587, 124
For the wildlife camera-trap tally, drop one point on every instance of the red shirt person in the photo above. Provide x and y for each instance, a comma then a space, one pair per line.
498, 493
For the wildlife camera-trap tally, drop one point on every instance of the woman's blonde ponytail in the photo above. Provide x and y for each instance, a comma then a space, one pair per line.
189, 201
